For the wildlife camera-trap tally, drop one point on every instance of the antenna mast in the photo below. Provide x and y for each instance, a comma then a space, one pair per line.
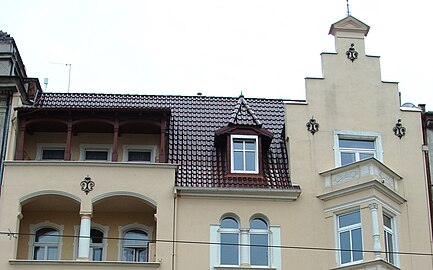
69, 75
348, 10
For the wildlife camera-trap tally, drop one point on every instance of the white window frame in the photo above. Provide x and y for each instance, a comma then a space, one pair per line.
393, 232
345, 229
135, 226
40, 147
232, 231
357, 135
46, 224
95, 147
256, 150
264, 232
150, 148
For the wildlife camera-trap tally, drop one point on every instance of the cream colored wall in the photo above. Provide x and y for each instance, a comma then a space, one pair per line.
32, 140
352, 97
152, 182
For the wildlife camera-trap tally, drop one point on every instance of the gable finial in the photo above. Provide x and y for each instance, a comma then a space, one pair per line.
348, 10
241, 95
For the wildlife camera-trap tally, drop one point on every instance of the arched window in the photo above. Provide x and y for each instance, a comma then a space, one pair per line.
96, 244
229, 239
135, 243
259, 241
46, 244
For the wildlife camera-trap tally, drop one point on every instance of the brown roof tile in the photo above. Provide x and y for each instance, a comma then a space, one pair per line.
191, 132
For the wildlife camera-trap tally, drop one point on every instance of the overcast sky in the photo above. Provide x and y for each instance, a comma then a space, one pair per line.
217, 47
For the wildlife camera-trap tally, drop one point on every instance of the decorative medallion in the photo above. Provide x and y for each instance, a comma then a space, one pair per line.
87, 184
352, 54
399, 129
312, 125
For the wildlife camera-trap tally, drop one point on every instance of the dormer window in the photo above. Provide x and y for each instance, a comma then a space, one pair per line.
244, 154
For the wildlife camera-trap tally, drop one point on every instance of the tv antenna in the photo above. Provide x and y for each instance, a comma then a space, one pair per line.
69, 78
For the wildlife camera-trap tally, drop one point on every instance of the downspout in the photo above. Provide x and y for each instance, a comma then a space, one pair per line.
427, 162
5, 139
173, 251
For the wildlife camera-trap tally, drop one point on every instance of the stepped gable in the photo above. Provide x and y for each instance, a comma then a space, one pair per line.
191, 131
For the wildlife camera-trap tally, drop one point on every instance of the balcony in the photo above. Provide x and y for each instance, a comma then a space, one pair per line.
359, 176
127, 209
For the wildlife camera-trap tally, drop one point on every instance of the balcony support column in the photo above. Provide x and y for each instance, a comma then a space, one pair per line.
115, 156
376, 235
84, 240
68, 140
162, 157
19, 154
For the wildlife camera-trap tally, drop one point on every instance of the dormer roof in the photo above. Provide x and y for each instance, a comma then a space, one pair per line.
244, 115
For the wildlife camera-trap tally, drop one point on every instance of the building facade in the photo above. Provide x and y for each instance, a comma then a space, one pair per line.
178, 182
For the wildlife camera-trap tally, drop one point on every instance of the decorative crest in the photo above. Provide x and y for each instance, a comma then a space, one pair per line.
87, 184
312, 125
352, 54
399, 129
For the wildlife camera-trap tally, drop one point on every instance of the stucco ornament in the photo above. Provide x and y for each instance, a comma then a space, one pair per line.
352, 54
87, 184
312, 125
399, 129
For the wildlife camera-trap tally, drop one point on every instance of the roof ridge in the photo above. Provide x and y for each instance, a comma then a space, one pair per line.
244, 117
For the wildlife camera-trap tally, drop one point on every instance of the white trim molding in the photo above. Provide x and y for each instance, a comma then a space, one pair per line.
150, 148
48, 146
46, 224
95, 147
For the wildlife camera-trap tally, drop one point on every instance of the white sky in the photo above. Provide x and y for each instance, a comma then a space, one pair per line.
217, 47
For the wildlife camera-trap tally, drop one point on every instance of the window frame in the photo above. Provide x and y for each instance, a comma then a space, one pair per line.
360, 136
40, 147
150, 148
229, 231
96, 147
127, 228
349, 229
392, 231
32, 241
260, 232
99, 227
256, 153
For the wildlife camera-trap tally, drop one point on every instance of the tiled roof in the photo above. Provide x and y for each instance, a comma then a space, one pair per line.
192, 126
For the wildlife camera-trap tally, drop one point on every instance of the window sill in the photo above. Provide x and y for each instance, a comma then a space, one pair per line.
240, 267
246, 175
367, 265
85, 263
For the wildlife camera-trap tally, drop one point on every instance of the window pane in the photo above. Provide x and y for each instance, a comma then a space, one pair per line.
346, 143
96, 236
128, 254
349, 219
96, 155
365, 155
97, 254
52, 253
135, 238
347, 158
53, 154
229, 223
47, 235
238, 144
258, 223
389, 247
345, 247
357, 244
259, 254
250, 145
238, 161
229, 253
139, 156
39, 253
250, 160
142, 255
387, 221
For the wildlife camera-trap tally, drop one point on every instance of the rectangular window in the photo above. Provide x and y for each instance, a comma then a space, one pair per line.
350, 237
389, 238
53, 154
244, 154
351, 146
139, 153
95, 152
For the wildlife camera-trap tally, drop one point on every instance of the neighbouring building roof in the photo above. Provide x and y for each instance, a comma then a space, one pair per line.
191, 132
